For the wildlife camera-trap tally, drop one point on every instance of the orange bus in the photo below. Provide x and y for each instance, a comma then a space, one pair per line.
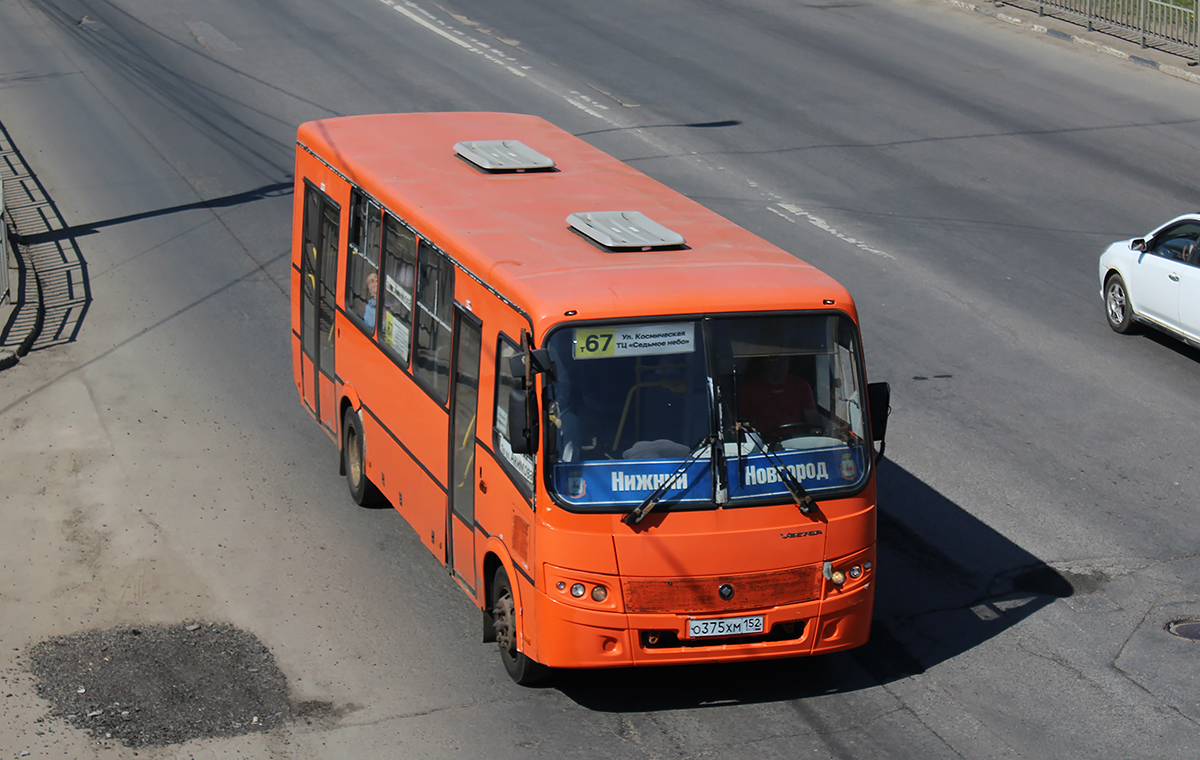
634, 432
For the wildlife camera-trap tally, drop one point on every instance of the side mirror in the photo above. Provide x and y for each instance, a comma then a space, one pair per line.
523, 421
539, 360
879, 401
1138, 245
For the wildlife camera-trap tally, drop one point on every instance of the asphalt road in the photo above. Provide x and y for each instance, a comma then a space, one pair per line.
958, 175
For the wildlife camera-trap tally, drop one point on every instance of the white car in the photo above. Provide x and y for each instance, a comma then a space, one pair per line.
1155, 280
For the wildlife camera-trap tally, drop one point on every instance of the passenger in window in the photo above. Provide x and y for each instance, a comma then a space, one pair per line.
372, 290
774, 400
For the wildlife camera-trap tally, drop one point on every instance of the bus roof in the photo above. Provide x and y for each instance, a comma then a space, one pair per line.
511, 228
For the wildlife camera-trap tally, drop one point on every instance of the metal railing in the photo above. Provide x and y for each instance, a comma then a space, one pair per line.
1170, 26
4, 294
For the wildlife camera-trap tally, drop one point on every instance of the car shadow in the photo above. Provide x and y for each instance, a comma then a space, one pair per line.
1171, 342
947, 583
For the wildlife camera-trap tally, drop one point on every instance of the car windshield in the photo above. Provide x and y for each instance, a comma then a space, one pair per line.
627, 404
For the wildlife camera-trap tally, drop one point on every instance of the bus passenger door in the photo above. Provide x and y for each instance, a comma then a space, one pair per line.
464, 408
318, 281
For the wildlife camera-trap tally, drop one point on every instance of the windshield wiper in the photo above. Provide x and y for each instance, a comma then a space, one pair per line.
635, 517
803, 500
720, 475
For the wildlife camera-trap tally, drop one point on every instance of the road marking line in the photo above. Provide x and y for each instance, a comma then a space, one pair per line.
588, 105
821, 224
414, 13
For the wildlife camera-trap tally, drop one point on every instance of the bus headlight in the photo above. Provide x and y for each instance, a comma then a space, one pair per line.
581, 589
852, 573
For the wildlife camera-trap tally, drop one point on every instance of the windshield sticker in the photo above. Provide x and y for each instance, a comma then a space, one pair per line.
630, 482
634, 340
395, 334
525, 464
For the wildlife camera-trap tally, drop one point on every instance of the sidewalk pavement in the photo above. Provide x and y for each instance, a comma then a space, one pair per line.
22, 315
1175, 61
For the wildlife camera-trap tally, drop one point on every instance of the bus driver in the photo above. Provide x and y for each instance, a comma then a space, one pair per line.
773, 399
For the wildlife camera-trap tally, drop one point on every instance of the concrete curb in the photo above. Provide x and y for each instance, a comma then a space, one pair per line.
1167, 69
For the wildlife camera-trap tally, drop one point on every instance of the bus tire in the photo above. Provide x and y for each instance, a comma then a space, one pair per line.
362, 490
521, 669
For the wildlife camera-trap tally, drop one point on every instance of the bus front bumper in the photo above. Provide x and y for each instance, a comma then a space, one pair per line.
571, 637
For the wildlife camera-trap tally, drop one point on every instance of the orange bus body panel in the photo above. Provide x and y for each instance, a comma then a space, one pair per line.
512, 232
520, 267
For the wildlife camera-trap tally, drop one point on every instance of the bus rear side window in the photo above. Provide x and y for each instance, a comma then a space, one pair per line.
435, 314
400, 263
362, 260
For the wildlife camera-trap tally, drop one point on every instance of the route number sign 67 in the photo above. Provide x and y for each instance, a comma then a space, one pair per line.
595, 342
635, 340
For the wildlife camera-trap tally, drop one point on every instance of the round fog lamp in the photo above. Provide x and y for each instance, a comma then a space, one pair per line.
838, 577
855, 571
577, 590
560, 585
599, 593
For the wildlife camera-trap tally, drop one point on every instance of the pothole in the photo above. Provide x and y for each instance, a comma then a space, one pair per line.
165, 684
1185, 629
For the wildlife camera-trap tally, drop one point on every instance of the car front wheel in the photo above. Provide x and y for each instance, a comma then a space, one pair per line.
1116, 305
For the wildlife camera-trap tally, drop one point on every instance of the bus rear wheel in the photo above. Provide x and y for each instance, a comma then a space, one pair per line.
521, 669
362, 490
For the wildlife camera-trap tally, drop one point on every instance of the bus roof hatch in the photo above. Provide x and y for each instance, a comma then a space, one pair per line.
503, 156
624, 230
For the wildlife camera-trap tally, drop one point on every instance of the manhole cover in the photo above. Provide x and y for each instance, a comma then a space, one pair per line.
1185, 629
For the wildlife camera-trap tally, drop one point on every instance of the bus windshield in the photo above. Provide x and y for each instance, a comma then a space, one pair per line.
627, 404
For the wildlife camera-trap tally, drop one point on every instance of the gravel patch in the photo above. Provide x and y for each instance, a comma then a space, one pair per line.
160, 685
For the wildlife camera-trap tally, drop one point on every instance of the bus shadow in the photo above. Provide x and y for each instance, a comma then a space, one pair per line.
947, 583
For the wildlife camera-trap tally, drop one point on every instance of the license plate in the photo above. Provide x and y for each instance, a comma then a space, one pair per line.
740, 626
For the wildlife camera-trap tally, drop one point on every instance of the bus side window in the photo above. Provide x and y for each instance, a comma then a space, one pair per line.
521, 466
435, 314
399, 269
362, 261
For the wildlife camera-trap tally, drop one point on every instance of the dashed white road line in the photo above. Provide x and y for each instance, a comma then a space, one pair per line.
590, 106
422, 17
821, 224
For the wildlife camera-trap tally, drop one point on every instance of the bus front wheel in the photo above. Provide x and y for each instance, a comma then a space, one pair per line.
362, 490
520, 668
